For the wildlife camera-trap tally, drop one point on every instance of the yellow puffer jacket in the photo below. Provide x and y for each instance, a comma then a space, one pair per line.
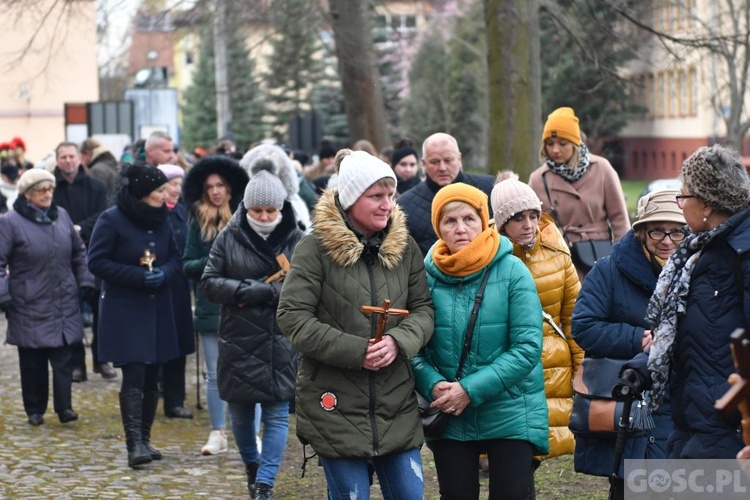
557, 284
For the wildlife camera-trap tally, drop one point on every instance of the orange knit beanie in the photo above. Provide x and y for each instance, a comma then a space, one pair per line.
460, 192
563, 123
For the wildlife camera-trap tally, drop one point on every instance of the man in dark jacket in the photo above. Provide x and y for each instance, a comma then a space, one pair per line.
441, 160
84, 197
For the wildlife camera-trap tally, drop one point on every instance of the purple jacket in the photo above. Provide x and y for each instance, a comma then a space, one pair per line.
46, 263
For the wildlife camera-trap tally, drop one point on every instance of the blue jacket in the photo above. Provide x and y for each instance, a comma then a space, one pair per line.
136, 324
502, 374
608, 322
417, 204
718, 302
183, 310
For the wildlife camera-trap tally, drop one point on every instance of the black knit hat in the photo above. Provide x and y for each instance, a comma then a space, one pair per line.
401, 153
142, 180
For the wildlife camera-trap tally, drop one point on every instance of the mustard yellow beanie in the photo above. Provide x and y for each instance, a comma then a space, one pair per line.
562, 123
460, 192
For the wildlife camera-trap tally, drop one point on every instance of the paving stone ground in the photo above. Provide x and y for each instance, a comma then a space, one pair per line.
87, 458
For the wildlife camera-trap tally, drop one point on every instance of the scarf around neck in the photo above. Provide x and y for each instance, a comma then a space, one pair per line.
140, 212
569, 173
667, 304
471, 258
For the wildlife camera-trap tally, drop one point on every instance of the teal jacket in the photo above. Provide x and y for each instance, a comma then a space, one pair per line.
206, 315
502, 374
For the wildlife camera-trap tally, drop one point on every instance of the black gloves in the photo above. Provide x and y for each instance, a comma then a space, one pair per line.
89, 294
256, 292
632, 384
154, 279
6, 306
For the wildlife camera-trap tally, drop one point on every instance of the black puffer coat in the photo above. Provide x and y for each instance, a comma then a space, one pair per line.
256, 362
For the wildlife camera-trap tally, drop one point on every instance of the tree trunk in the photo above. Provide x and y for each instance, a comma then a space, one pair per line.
223, 111
363, 95
514, 85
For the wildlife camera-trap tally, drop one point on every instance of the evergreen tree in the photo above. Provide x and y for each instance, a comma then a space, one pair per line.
246, 102
448, 87
199, 104
293, 66
581, 63
327, 96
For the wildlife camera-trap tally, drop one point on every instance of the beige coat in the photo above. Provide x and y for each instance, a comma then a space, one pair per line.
585, 208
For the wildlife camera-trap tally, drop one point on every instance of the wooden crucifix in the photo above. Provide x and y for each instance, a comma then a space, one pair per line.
739, 394
384, 312
281, 273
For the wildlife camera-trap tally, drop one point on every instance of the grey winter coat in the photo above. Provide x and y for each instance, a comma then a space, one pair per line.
46, 263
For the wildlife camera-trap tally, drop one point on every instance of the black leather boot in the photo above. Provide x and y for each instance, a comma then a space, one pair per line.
131, 410
150, 402
251, 470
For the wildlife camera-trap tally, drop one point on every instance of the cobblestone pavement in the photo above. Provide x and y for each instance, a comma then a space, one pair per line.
88, 459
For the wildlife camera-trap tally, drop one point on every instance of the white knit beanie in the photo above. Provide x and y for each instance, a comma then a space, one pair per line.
360, 170
264, 189
510, 197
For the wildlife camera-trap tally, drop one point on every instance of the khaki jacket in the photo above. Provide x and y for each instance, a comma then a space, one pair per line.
343, 410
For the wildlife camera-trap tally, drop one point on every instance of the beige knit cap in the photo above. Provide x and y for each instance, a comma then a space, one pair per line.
510, 197
659, 206
32, 177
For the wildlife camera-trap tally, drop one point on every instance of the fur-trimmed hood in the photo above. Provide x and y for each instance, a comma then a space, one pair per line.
226, 167
344, 246
282, 165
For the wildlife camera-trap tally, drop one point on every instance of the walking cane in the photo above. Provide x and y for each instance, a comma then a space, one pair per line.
628, 392
198, 405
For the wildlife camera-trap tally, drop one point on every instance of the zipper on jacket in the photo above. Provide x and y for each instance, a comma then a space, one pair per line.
371, 375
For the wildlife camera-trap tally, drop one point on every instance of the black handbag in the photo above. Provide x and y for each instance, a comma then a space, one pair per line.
595, 413
433, 420
594, 409
584, 253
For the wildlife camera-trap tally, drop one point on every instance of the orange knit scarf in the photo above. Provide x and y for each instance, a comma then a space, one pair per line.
472, 258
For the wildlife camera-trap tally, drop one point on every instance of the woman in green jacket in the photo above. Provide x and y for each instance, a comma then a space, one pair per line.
213, 189
496, 403
355, 397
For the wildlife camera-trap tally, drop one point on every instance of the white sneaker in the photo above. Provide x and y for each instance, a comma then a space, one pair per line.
259, 443
217, 443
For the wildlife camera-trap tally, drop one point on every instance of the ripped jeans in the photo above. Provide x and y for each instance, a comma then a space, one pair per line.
399, 474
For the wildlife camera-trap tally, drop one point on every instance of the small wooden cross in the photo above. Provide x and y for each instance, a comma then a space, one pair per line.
281, 274
148, 259
384, 312
739, 394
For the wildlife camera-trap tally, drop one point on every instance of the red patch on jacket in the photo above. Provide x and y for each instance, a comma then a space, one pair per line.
328, 401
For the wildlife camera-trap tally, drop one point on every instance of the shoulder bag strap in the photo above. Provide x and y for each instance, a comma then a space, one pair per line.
552, 208
472, 321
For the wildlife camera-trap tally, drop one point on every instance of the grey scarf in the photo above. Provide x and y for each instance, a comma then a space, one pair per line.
568, 173
667, 303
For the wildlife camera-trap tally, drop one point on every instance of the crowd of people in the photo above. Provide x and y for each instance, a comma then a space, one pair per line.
337, 290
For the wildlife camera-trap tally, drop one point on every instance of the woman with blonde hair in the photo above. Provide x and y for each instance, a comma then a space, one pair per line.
212, 190
580, 190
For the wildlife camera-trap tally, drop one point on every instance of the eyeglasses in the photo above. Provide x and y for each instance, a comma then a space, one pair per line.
680, 198
658, 235
42, 190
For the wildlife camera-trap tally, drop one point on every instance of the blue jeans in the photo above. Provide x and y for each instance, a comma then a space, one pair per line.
275, 418
399, 474
216, 407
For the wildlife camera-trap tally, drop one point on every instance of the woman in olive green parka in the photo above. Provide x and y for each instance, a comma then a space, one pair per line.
355, 398
497, 405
